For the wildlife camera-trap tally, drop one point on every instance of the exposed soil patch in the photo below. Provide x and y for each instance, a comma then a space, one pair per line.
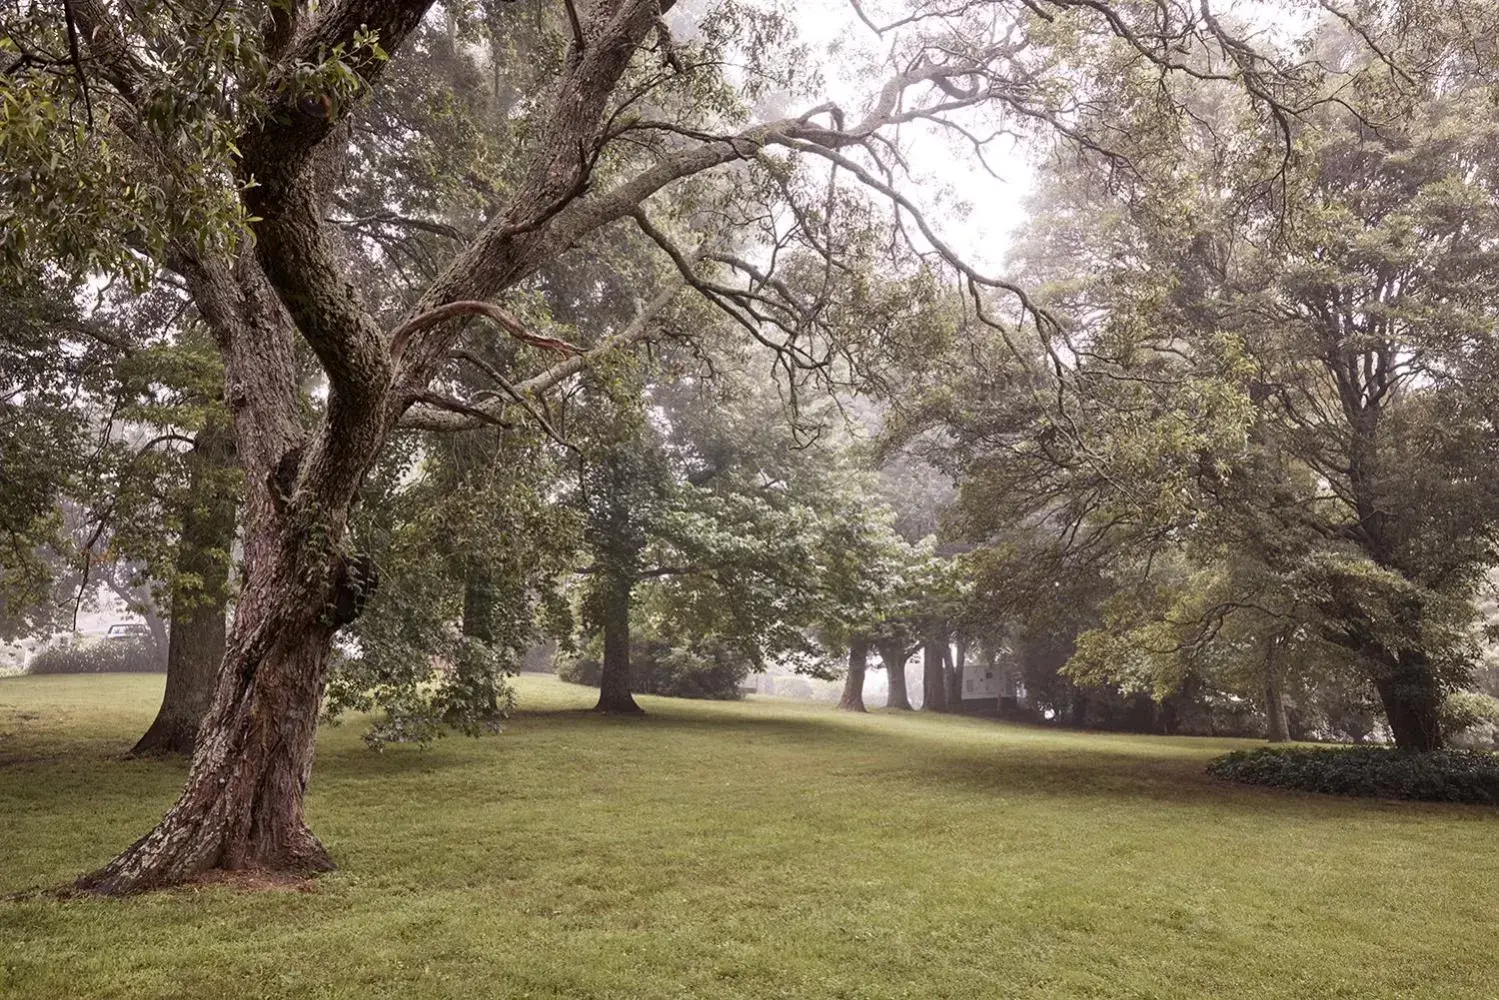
251, 881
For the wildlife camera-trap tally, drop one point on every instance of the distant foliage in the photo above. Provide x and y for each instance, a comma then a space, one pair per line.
113, 657
709, 672
1471, 720
1369, 772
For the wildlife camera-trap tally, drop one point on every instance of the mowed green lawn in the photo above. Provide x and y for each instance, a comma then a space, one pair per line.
765, 849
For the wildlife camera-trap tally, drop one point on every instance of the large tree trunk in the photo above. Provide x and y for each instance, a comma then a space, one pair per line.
934, 674
1277, 726
242, 804
200, 597
853, 682
1412, 702
893, 654
614, 683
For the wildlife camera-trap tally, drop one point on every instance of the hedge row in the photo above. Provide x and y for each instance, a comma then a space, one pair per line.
1373, 772
116, 656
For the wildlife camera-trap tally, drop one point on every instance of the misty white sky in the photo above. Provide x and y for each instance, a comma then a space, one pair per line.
947, 174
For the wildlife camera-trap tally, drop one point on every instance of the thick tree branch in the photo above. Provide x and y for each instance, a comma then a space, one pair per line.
277, 147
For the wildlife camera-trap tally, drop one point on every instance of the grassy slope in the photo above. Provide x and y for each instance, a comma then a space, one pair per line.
759, 850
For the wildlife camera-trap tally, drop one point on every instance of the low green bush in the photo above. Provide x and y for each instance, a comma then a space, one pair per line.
1371, 772
115, 656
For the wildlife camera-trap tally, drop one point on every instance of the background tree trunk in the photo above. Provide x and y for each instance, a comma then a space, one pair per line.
478, 605
934, 674
1077, 709
200, 598
1277, 726
955, 664
894, 656
614, 683
1412, 702
853, 682
478, 624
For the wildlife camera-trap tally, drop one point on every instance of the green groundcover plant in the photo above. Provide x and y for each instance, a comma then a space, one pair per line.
1371, 772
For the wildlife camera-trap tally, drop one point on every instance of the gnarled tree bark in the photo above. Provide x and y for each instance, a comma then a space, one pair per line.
242, 806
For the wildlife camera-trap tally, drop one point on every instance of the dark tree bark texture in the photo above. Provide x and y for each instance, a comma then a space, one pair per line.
1412, 701
614, 683
934, 674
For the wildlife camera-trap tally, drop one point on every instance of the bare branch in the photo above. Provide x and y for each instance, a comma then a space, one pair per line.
452, 310
515, 395
639, 329
448, 404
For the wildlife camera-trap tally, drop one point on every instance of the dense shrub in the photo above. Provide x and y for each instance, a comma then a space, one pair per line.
116, 656
658, 668
582, 668
1373, 772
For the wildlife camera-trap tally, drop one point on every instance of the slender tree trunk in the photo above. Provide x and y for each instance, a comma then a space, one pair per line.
614, 684
894, 656
853, 682
1412, 702
1009, 692
955, 675
478, 605
933, 675
1077, 709
1277, 726
200, 598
